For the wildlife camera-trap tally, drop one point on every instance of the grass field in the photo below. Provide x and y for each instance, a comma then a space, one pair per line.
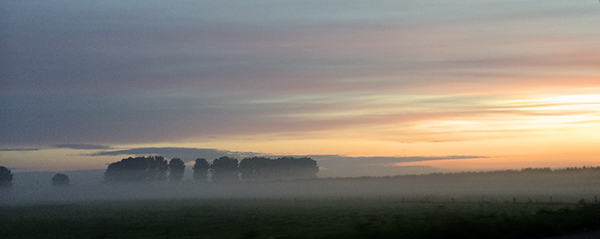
376, 217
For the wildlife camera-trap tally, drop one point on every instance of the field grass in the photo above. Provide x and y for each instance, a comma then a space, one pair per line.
296, 218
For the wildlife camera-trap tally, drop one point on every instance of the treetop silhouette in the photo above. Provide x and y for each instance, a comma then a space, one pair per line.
60, 179
6, 177
138, 169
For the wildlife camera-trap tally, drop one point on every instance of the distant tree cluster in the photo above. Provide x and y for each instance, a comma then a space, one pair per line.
6, 177
201, 167
256, 169
584, 168
176, 169
261, 168
513, 172
138, 169
60, 179
223, 169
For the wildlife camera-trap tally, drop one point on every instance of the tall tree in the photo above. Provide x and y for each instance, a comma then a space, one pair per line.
201, 167
176, 169
127, 170
224, 169
284, 168
138, 169
6, 177
60, 179
157, 168
256, 168
300, 167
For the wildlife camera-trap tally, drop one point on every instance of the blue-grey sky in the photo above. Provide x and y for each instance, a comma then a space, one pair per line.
401, 78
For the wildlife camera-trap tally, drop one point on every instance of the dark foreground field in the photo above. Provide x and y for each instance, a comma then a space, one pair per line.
379, 217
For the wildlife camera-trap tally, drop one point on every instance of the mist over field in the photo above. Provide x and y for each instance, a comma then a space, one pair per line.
501, 186
527, 203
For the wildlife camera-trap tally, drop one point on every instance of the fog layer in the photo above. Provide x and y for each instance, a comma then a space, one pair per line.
543, 186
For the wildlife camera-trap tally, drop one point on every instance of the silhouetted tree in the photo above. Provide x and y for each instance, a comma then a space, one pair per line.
6, 177
157, 168
295, 168
302, 168
224, 169
256, 168
201, 169
176, 169
261, 168
60, 179
138, 169
127, 170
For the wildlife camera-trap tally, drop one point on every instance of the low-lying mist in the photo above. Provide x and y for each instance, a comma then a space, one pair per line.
568, 186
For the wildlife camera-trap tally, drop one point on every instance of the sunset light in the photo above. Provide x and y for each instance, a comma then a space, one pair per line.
327, 119
505, 84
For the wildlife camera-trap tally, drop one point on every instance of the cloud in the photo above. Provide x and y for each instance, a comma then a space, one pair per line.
343, 166
391, 160
81, 146
24, 149
176, 152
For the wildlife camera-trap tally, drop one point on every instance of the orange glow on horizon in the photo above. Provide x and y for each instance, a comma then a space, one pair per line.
539, 131
511, 162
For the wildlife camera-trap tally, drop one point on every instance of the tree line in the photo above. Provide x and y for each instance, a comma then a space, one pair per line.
222, 169
145, 169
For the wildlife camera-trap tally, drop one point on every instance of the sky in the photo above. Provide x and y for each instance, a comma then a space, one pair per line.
367, 88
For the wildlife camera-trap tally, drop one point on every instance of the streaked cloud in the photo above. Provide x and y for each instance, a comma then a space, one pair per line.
176, 152
344, 166
158, 73
81, 146
17, 150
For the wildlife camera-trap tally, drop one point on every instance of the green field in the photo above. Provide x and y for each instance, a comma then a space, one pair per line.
350, 217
